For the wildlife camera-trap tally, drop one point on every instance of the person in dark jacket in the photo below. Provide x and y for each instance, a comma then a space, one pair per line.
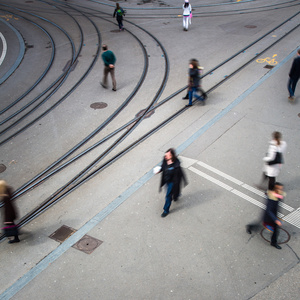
294, 76
109, 60
119, 12
270, 219
172, 175
9, 210
194, 82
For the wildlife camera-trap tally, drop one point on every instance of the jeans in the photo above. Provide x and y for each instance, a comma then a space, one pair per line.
168, 197
193, 90
292, 86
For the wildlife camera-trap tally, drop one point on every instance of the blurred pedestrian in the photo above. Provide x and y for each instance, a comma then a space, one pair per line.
273, 160
172, 176
119, 12
10, 214
186, 15
270, 219
109, 60
203, 94
194, 84
294, 76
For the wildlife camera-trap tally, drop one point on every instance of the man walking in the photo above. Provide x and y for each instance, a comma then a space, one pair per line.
294, 76
109, 60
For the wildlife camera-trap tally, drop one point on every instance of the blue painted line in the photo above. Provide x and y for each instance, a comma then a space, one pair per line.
74, 238
20, 55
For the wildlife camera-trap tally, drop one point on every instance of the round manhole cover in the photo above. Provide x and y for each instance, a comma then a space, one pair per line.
250, 26
148, 115
283, 236
98, 105
2, 168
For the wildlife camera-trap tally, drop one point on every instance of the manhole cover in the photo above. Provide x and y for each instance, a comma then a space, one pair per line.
2, 168
268, 67
250, 26
62, 233
98, 105
87, 244
148, 115
283, 236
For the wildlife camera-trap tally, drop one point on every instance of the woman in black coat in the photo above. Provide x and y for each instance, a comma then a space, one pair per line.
172, 175
9, 210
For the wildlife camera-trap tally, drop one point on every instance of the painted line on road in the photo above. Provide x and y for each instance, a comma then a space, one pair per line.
4, 50
242, 184
293, 218
50, 258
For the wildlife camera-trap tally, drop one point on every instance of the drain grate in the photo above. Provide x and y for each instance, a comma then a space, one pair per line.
87, 244
98, 105
268, 67
62, 233
2, 168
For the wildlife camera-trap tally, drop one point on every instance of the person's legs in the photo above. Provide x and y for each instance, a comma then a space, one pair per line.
168, 198
291, 87
274, 237
105, 73
191, 92
113, 78
272, 181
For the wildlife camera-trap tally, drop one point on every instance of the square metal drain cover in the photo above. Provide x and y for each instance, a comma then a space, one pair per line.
87, 244
62, 233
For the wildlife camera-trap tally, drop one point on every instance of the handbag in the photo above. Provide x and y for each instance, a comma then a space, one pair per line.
277, 160
10, 230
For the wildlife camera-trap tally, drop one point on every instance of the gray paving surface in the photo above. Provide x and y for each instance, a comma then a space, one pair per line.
200, 250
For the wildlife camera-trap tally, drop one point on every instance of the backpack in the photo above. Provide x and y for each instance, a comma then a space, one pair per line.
120, 12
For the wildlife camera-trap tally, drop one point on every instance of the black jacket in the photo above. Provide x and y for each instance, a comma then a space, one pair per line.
176, 178
270, 215
295, 69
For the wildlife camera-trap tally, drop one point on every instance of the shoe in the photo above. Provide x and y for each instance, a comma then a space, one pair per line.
189, 105
275, 245
248, 230
14, 241
164, 214
185, 98
103, 85
114, 90
292, 98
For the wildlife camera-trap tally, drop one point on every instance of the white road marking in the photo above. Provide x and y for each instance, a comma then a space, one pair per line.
4, 50
292, 218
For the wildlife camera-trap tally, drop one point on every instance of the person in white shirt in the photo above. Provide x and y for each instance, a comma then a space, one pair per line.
187, 10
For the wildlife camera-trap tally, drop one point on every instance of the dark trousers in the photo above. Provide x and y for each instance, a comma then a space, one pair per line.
168, 197
107, 70
271, 181
120, 22
292, 86
275, 234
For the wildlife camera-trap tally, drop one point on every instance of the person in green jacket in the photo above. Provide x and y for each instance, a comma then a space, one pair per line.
109, 60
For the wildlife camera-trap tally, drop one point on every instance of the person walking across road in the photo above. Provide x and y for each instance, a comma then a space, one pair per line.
194, 83
10, 214
172, 176
294, 76
270, 219
273, 160
119, 12
187, 10
109, 60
